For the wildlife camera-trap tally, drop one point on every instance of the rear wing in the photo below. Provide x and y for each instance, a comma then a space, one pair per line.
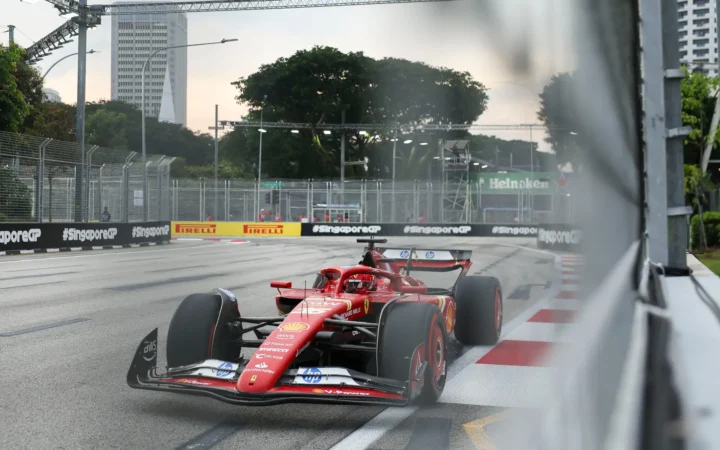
404, 254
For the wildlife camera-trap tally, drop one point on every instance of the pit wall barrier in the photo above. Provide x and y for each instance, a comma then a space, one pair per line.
235, 229
16, 238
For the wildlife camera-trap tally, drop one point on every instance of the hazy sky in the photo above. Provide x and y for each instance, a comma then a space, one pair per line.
440, 34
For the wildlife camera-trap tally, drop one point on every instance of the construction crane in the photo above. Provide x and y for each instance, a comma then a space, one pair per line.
90, 16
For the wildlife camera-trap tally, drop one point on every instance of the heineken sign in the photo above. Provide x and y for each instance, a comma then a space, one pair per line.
518, 181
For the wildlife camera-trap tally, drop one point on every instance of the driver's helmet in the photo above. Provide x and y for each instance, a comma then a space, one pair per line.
360, 283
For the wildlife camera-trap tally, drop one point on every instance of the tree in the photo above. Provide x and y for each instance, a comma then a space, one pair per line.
13, 105
558, 115
53, 120
120, 124
30, 83
316, 86
698, 91
107, 128
14, 198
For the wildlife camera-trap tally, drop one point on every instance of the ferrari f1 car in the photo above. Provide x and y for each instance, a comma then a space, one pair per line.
364, 334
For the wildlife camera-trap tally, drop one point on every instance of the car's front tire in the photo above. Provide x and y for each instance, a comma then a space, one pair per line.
193, 329
411, 330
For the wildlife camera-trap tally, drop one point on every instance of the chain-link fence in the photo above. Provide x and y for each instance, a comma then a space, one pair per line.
374, 201
46, 180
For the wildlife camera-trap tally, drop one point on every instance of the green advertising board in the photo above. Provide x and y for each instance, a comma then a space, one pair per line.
514, 182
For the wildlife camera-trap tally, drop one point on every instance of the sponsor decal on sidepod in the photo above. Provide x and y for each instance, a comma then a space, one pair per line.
13, 237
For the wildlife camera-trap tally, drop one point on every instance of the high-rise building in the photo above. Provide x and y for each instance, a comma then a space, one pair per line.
134, 38
698, 35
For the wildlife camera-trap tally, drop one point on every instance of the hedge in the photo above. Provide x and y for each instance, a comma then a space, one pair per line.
712, 229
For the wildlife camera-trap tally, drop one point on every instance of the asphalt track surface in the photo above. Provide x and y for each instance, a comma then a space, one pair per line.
70, 323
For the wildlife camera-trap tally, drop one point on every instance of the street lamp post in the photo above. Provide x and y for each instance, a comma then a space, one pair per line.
261, 131
146, 203
63, 58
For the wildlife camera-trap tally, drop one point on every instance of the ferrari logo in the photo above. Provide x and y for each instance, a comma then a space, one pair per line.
253, 378
367, 305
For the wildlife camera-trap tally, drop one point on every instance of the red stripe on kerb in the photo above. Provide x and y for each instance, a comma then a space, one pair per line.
569, 281
517, 353
238, 240
565, 295
553, 316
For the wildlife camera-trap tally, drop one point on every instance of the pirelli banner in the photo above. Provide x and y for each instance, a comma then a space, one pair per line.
18, 237
235, 229
401, 229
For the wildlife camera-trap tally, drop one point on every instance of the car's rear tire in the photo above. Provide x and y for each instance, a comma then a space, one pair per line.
406, 328
192, 330
479, 310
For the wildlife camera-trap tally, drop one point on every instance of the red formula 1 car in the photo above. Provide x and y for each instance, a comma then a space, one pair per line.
363, 334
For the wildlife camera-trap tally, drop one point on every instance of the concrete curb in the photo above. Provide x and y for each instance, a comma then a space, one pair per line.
697, 267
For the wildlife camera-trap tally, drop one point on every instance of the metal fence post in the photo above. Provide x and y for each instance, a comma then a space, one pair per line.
86, 190
40, 193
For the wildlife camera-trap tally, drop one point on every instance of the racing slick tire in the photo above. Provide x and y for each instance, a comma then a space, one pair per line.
192, 330
408, 327
479, 310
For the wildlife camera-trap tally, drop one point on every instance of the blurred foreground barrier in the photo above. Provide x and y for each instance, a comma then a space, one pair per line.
41, 237
403, 229
559, 237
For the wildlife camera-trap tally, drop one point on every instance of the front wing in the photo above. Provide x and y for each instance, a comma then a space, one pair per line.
197, 379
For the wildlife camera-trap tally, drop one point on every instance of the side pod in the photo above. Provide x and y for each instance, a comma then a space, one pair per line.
145, 359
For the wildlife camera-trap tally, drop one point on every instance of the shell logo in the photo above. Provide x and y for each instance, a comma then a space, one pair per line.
450, 319
441, 303
367, 305
294, 326
318, 391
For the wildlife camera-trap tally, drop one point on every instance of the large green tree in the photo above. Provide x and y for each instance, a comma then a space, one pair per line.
14, 107
557, 113
316, 86
698, 92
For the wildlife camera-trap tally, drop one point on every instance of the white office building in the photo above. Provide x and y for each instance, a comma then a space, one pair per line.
134, 38
698, 35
